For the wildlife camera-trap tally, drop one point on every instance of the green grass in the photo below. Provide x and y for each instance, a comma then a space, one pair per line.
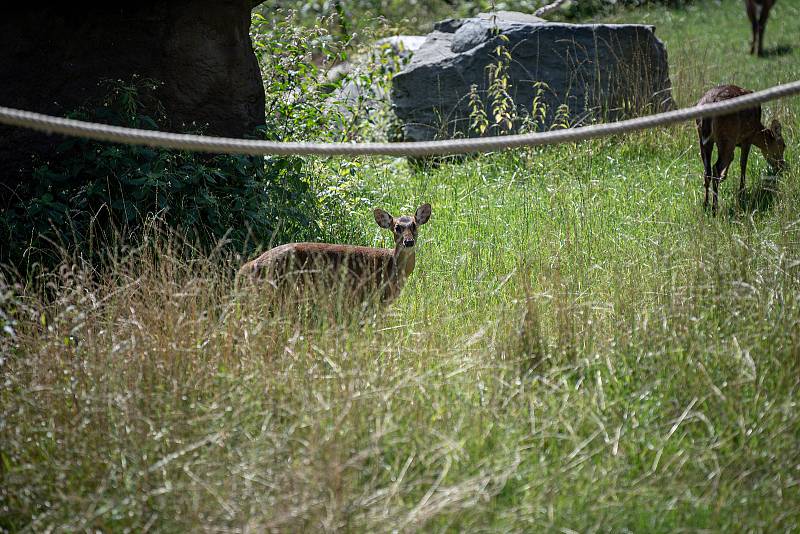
709, 44
581, 348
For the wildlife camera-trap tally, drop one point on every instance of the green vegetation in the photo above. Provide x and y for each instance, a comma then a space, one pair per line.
98, 196
355, 20
581, 348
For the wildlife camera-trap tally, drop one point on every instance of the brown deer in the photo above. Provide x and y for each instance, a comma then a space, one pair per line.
743, 129
363, 272
758, 12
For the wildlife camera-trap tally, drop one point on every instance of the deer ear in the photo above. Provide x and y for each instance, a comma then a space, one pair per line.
423, 213
383, 218
776, 127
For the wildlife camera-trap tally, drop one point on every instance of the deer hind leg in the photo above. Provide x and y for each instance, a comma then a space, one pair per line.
706, 152
761, 26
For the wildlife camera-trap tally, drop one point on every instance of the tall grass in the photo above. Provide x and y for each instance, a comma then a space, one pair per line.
581, 348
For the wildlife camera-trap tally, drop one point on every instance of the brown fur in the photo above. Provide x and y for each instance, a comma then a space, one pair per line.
758, 13
743, 129
362, 272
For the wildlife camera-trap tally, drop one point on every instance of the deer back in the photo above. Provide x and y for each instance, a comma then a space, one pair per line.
360, 270
739, 127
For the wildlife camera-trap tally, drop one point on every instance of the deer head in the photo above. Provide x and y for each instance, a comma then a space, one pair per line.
775, 146
404, 229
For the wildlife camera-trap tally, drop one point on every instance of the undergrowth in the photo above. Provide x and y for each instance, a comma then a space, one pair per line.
95, 196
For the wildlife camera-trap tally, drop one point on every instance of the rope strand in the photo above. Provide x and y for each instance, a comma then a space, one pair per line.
227, 145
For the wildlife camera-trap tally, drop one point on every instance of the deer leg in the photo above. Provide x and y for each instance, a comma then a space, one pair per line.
714, 195
706, 152
761, 26
754, 30
724, 158
743, 163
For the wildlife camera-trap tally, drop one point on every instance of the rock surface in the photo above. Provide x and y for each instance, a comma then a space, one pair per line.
55, 55
601, 71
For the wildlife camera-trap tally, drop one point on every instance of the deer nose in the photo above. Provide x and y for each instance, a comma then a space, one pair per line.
408, 242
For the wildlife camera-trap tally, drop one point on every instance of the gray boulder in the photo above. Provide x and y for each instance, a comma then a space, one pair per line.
601, 71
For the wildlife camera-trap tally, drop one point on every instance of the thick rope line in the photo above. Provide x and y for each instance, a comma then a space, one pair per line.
227, 145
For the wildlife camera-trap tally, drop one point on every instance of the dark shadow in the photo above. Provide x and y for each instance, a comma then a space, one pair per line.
425, 163
777, 51
758, 198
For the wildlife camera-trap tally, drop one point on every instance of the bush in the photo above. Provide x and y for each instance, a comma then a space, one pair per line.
351, 20
306, 101
94, 190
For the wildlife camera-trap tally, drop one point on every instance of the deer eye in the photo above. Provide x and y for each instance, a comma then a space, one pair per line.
398, 229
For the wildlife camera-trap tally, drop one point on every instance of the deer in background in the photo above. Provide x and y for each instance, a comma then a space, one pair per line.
758, 12
364, 272
743, 129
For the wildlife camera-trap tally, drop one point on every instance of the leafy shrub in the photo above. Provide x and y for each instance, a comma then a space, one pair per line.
349, 20
345, 20
296, 106
307, 101
94, 194
301, 105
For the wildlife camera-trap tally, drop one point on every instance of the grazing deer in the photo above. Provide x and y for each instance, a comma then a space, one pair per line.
741, 128
365, 272
758, 12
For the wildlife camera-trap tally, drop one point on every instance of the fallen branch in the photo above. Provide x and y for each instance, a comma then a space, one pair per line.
546, 10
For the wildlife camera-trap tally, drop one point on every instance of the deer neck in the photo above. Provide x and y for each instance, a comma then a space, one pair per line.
403, 261
761, 139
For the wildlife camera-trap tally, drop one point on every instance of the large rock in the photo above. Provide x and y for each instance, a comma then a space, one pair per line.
601, 71
55, 54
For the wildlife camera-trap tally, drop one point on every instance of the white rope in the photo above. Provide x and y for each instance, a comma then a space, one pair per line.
227, 145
